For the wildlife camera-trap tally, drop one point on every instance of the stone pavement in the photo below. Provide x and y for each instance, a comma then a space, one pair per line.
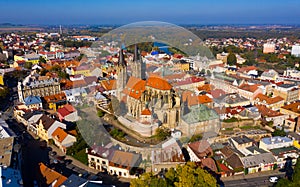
253, 175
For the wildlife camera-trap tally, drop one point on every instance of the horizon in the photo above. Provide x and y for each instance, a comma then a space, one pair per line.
92, 12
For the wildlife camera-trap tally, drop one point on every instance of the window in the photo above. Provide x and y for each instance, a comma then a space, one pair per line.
98, 160
92, 159
103, 162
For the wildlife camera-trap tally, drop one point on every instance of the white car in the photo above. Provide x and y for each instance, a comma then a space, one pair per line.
273, 179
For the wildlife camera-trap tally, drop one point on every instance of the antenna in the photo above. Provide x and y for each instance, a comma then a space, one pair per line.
60, 30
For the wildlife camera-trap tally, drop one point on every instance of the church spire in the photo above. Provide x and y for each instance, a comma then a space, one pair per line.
136, 53
121, 61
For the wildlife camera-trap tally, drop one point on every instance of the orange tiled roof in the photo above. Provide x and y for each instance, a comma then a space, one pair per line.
269, 100
267, 112
158, 83
109, 84
146, 112
250, 88
206, 87
59, 134
193, 99
294, 107
49, 176
247, 69
55, 97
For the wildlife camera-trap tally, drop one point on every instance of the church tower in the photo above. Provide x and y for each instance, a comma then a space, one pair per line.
138, 66
121, 74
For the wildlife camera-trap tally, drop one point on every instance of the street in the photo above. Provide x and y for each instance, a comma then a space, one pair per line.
257, 181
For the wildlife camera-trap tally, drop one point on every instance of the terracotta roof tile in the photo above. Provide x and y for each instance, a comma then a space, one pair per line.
50, 176
59, 134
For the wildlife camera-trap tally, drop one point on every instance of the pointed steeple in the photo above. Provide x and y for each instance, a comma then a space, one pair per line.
136, 53
121, 61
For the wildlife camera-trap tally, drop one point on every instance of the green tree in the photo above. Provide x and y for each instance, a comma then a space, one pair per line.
42, 60
231, 59
28, 65
162, 133
188, 175
208, 73
278, 132
100, 113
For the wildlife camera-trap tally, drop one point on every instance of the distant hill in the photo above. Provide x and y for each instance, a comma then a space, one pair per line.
7, 25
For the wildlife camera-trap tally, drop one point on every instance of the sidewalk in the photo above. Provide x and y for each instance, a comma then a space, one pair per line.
253, 175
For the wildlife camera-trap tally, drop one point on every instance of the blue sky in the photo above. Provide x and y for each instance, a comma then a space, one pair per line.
127, 11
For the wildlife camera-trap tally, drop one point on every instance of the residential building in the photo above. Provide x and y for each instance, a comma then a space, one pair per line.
292, 73
67, 113
269, 48
296, 50
293, 109
35, 85
80, 70
122, 163
33, 102
248, 72
258, 162
270, 75
289, 92
269, 143
55, 101
231, 100
199, 150
47, 126
240, 142
273, 103
115, 162
62, 139
99, 156
269, 115
32, 58
282, 154
249, 91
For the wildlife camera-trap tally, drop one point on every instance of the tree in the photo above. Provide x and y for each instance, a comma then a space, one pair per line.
28, 65
100, 113
3, 92
208, 73
42, 60
188, 175
231, 59
279, 133
162, 133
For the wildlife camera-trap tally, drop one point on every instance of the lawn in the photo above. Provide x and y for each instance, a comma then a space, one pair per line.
249, 127
81, 156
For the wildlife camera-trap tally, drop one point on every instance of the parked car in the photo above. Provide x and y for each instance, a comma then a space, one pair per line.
273, 179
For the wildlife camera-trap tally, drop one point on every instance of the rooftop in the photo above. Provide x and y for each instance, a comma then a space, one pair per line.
283, 150
276, 140
242, 139
6, 148
294, 107
256, 160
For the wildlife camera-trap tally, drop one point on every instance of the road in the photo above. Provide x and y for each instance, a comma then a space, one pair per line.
249, 182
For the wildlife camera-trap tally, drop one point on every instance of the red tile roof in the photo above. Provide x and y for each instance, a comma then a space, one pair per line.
158, 83
269, 100
146, 112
